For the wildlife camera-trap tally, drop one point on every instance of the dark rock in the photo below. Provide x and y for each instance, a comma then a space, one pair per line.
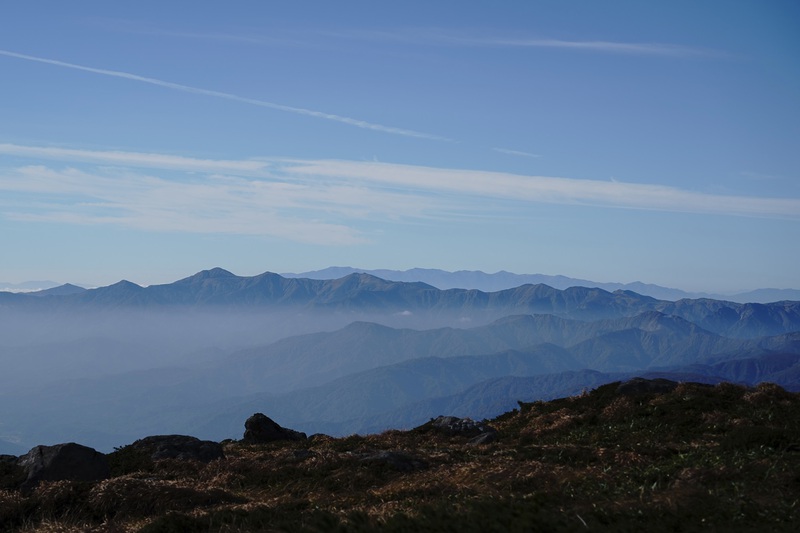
395, 460
636, 386
259, 429
11, 474
452, 425
69, 461
179, 447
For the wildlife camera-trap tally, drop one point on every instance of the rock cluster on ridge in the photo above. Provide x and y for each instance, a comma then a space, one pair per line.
259, 428
479, 432
63, 461
181, 447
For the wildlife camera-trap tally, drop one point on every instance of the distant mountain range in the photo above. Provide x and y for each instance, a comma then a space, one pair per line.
359, 353
362, 294
475, 279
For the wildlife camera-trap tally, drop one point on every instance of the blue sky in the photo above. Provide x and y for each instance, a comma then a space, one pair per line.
612, 141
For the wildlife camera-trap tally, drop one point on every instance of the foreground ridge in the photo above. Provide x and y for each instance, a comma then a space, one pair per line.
653, 455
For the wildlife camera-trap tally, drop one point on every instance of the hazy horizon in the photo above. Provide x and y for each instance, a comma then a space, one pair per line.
26, 286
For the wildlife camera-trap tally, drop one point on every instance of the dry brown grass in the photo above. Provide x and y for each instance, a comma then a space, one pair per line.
699, 458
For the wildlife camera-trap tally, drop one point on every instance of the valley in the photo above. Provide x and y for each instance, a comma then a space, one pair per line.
357, 354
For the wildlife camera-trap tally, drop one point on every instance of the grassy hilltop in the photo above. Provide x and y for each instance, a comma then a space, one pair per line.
696, 458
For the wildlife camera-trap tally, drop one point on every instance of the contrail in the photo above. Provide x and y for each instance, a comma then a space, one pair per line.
227, 96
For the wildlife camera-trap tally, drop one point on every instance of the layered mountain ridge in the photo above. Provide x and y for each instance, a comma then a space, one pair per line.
365, 293
476, 279
356, 354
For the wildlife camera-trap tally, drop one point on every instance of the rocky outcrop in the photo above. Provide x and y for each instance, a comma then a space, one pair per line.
259, 429
478, 432
181, 447
68, 461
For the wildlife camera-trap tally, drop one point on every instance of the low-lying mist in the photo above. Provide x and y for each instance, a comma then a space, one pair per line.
197, 357
67, 375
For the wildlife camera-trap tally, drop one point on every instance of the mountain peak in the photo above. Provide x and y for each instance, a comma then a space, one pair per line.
124, 284
215, 272
62, 290
361, 278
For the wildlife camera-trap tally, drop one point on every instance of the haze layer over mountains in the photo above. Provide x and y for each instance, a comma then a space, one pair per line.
476, 279
356, 353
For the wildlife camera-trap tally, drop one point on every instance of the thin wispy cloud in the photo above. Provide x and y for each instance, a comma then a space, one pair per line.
515, 152
274, 37
337, 197
227, 96
435, 36
135, 159
211, 205
194, 195
553, 190
613, 47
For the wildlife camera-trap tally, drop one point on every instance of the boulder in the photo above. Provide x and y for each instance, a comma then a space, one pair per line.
69, 461
181, 447
259, 429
